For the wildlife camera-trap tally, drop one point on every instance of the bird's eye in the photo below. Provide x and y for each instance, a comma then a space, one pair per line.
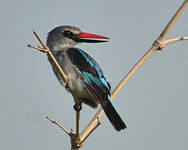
67, 33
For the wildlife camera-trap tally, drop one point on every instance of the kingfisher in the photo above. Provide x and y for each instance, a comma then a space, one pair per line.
86, 80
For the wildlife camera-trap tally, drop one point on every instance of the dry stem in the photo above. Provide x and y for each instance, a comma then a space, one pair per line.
174, 40
172, 21
78, 123
51, 56
59, 125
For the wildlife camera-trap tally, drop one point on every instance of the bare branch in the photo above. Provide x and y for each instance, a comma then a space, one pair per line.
98, 124
78, 123
41, 42
37, 48
46, 49
172, 21
157, 45
59, 125
174, 40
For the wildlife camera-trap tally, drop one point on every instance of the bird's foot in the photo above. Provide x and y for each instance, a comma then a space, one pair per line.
77, 107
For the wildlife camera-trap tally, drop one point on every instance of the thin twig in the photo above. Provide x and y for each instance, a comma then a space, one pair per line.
75, 140
39, 39
78, 123
174, 40
37, 48
51, 56
98, 124
59, 125
156, 46
172, 21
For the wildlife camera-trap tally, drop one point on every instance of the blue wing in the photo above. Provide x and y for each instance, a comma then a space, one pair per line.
95, 84
94, 79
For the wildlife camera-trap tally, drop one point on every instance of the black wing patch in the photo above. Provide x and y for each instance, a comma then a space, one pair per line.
81, 62
95, 82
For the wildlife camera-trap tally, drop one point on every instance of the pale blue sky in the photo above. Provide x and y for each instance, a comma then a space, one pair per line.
153, 103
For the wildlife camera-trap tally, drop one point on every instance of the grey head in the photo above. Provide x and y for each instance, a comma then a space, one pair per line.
68, 36
62, 36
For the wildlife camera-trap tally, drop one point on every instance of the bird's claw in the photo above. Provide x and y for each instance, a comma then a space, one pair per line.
77, 107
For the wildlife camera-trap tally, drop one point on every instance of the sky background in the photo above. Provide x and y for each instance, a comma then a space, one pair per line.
153, 103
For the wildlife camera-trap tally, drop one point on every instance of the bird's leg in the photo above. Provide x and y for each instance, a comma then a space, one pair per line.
77, 106
76, 140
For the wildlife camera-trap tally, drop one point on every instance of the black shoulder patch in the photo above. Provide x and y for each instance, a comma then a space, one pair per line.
78, 59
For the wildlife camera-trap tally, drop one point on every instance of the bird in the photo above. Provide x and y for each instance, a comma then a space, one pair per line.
86, 80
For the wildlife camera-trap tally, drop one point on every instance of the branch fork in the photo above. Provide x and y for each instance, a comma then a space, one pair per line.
159, 45
76, 139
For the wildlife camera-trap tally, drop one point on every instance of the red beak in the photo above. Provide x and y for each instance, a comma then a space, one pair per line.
89, 35
86, 37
